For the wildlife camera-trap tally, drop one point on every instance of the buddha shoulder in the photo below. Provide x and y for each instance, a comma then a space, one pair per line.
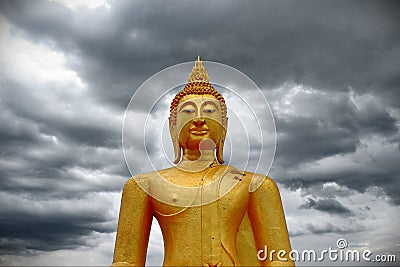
142, 180
260, 182
139, 181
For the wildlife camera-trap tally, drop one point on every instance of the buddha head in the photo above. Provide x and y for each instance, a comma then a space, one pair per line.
198, 118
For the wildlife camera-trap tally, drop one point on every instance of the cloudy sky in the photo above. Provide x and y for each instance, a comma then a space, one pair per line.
329, 69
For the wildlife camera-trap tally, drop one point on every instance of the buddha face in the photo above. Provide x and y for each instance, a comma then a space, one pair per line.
199, 124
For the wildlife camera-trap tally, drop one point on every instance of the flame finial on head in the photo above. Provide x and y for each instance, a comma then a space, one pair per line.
199, 73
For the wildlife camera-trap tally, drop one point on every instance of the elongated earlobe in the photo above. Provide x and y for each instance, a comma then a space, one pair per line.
220, 148
220, 151
175, 142
177, 151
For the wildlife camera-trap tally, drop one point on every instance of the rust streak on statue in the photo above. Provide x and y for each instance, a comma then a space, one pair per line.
208, 214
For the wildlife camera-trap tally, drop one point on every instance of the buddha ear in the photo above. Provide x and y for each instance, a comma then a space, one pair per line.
175, 141
225, 124
220, 146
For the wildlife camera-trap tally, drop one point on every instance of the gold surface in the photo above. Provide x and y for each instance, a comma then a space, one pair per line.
208, 214
199, 73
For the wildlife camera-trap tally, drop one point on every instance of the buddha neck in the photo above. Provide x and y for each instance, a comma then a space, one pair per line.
198, 155
197, 160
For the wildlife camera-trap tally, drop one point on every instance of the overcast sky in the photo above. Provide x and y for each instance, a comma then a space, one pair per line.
329, 69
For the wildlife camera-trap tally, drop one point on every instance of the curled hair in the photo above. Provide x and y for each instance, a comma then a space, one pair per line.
197, 88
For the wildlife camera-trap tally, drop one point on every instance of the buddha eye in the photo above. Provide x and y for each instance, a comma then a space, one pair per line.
209, 110
188, 111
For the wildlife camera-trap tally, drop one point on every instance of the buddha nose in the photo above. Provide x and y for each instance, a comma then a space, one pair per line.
199, 122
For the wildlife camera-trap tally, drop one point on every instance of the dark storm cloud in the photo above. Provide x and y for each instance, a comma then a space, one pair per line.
309, 140
370, 165
317, 125
80, 128
355, 180
387, 180
323, 125
52, 227
331, 45
49, 157
327, 205
32, 157
320, 228
329, 228
34, 162
54, 153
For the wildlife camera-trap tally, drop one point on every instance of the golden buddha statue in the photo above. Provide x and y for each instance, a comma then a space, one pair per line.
210, 214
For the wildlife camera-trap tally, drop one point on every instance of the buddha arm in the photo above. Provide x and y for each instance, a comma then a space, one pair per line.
268, 223
134, 224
